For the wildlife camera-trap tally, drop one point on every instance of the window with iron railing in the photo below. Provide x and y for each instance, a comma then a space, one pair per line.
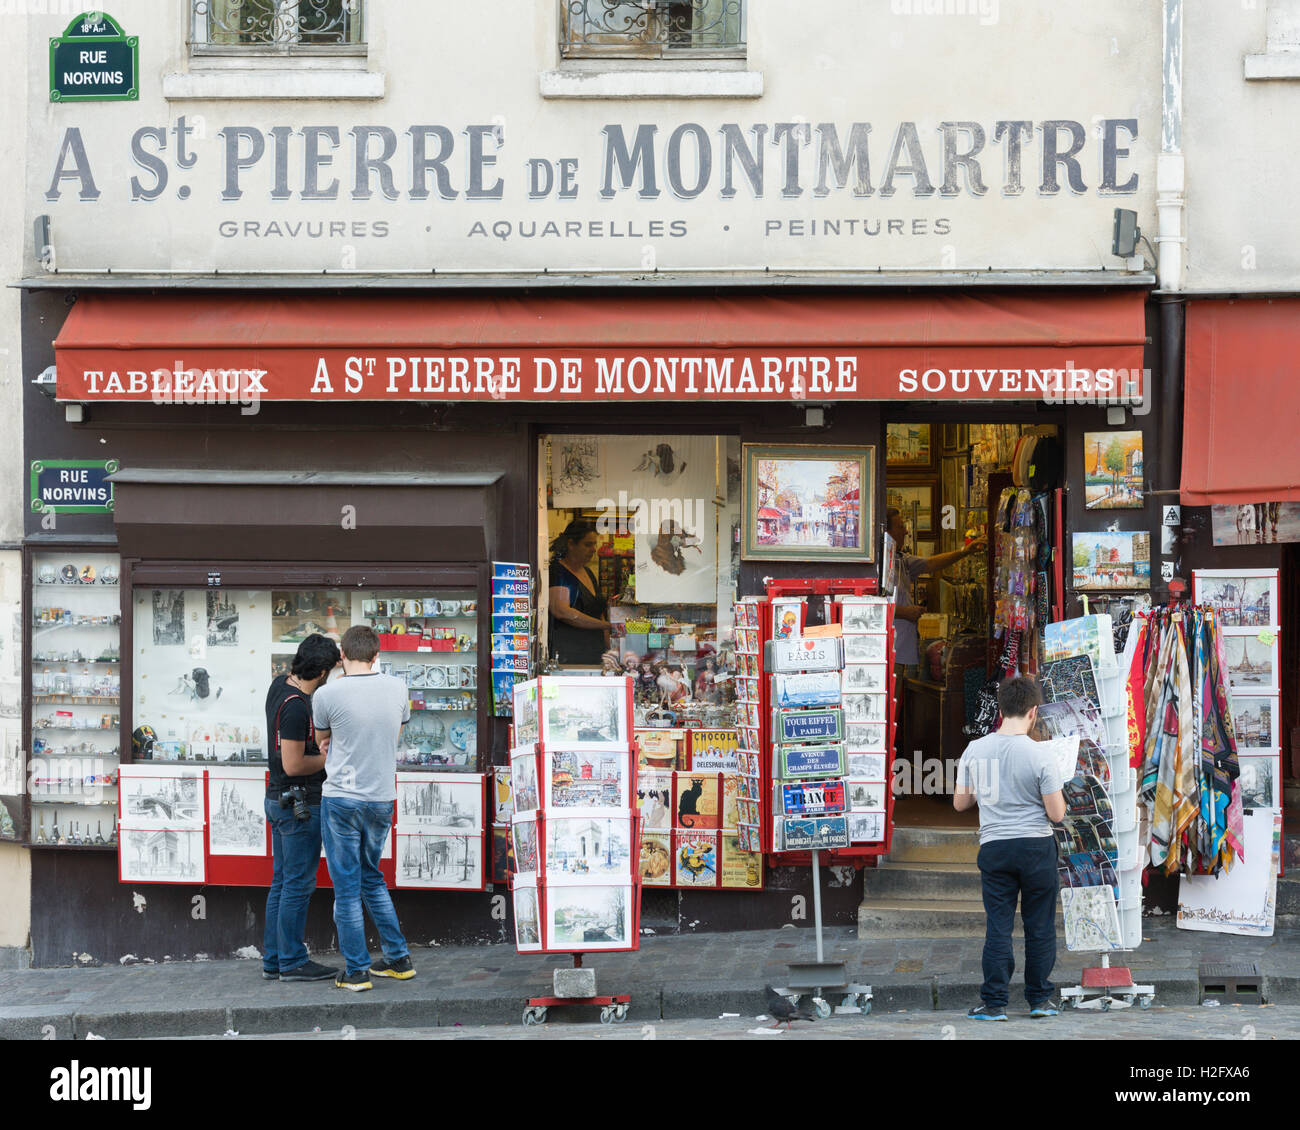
277, 27
652, 29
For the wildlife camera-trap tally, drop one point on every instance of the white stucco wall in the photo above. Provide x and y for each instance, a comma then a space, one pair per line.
816, 62
1243, 227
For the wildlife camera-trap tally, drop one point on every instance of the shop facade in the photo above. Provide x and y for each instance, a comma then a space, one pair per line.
302, 444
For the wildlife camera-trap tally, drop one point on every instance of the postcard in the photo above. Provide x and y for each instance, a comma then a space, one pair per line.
524, 833
439, 802
696, 859
866, 649
588, 848
654, 797
523, 782
584, 917
439, 861
866, 796
740, 868
867, 766
818, 689
865, 737
584, 713
528, 932
866, 827
714, 751
656, 859
696, 799
587, 779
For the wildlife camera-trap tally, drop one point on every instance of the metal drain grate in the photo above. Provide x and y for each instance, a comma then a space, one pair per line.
1231, 984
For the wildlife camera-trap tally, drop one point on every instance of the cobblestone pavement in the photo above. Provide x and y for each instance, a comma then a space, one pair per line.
1229, 1022
675, 978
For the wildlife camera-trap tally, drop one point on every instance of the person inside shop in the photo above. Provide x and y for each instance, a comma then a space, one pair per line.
1017, 784
360, 718
907, 568
579, 628
292, 805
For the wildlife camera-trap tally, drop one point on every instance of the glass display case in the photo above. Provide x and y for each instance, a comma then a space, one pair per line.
204, 658
76, 680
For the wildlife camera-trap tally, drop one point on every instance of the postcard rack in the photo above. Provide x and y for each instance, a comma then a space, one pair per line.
205, 824
783, 611
1099, 842
575, 885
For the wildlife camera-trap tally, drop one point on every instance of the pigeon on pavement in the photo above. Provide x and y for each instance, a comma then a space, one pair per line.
781, 1009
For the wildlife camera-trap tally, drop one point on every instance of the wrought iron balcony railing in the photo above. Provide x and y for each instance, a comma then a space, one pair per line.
652, 29
277, 27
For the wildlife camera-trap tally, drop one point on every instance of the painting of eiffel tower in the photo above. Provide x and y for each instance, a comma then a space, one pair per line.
1251, 663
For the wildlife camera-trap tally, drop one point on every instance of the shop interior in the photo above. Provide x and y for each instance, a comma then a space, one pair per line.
954, 483
665, 509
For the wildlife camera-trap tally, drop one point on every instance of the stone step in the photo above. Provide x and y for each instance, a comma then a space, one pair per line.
926, 865
932, 918
1288, 895
943, 882
934, 845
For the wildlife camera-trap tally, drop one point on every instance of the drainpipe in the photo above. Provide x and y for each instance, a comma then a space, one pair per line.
1170, 241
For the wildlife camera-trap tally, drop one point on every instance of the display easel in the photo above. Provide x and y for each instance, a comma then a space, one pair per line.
826, 980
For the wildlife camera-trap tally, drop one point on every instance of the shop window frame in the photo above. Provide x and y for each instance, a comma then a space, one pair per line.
30, 549
147, 574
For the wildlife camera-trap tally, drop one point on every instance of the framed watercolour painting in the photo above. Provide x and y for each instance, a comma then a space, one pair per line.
908, 445
807, 502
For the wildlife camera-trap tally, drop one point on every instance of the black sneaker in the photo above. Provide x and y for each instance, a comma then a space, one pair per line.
987, 1012
401, 969
270, 974
354, 982
309, 971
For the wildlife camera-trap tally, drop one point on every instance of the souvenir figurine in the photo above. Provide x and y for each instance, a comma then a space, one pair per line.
645, 682
87, 574
610, 664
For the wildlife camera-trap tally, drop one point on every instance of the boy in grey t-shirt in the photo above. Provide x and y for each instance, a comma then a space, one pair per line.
1017, 786
359, 721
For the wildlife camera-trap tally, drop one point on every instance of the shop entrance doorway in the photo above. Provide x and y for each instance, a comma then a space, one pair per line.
976, 530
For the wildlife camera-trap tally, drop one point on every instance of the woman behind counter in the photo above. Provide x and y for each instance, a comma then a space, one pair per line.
579, 628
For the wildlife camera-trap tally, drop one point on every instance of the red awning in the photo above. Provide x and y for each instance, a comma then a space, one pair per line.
213, 348
1242, 402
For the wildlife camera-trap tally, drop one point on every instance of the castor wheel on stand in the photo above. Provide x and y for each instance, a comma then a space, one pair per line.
534, 1016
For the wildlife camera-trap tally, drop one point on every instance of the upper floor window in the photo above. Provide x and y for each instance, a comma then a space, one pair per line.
277, 27
652, 29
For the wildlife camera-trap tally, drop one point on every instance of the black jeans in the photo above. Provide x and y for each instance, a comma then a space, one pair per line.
1027, 868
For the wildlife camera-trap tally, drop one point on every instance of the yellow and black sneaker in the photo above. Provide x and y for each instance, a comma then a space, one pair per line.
401, 969
354, 982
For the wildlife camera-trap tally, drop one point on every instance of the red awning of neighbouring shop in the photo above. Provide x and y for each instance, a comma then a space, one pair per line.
214, 348
1242, 402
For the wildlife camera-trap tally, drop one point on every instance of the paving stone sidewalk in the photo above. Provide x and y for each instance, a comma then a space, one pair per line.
678, 977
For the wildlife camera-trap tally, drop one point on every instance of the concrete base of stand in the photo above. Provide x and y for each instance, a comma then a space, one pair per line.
574, 983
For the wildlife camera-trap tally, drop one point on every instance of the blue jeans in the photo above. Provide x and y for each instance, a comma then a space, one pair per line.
1025, 868
356, 835
295, 854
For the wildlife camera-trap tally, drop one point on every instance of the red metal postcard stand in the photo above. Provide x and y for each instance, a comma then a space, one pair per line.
613, 1008
827, 587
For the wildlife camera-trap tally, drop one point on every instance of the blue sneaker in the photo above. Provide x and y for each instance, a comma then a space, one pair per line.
1043, 1008
987, 1012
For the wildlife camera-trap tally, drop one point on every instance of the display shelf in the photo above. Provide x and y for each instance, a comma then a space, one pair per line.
56, 699
69, 586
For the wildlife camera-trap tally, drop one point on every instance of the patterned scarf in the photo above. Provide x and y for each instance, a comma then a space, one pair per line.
1170, 785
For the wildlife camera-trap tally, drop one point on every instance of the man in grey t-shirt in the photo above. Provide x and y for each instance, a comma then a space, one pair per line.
1017, 785
359, 721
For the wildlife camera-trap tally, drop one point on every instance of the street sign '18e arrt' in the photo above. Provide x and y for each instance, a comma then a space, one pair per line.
93, 61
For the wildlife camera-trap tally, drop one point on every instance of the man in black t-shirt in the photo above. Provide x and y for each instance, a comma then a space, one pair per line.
296, 762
